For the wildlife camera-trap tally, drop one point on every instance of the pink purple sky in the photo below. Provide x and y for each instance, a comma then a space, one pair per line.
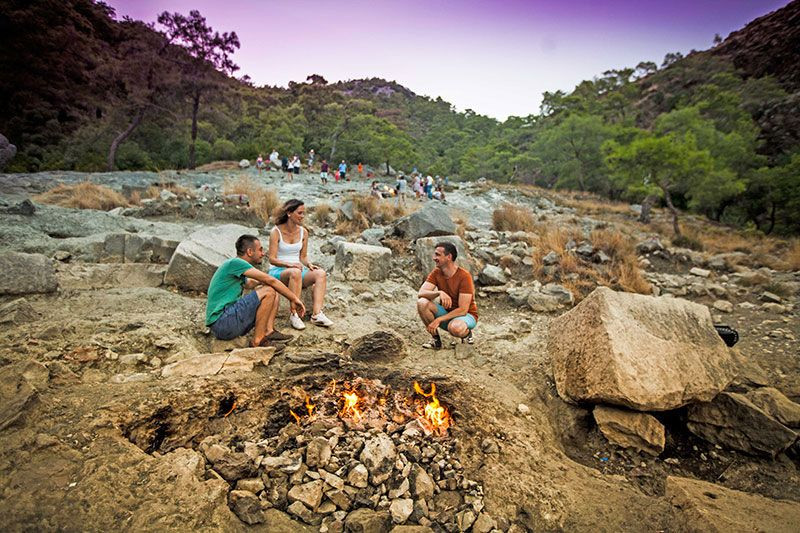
496, 58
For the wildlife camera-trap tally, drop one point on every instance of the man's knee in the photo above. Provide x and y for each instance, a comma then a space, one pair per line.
458, 328
265, 293
423, 303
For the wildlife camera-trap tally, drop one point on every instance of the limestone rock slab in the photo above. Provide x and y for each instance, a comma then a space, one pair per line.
640, 352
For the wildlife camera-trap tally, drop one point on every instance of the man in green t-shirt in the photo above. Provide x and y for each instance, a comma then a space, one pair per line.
231, 315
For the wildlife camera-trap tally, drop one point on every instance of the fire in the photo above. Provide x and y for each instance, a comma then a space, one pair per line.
296, 418
309, 407
435, 415
350, 406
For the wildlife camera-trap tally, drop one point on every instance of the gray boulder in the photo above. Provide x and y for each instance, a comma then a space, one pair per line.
492, 275
733, 421
201, 253
26, 274
423, 250
641, 352
373, 236
7, 151
362, 262
244, 163
25, 207
559, 292
431, 220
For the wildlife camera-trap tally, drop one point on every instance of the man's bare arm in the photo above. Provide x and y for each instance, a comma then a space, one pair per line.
280, 288
428, 290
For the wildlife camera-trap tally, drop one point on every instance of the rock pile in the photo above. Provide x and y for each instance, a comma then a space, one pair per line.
326, 475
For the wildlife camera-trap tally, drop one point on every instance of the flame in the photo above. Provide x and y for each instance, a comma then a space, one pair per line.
309, 407
350, 406
296, 418
435, 415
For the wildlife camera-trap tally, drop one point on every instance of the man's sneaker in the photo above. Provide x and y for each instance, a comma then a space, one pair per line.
296, 322
434, 344
280, 337
321, 320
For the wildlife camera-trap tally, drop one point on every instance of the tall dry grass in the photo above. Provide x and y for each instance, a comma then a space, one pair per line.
368, 211
510, 217
84, 195
579, 274
321, 213
263, 201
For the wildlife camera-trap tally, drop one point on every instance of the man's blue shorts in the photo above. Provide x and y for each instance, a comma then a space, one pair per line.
238, 318
468, 319
276, 272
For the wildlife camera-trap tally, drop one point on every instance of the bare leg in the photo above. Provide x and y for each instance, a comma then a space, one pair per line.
318, 278
292, 278
426, 310
265, 315
458, 328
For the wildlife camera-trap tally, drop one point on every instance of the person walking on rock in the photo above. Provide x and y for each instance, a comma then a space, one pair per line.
311, 160
288, 249
400, 187
286, 168
230, 315
342, 170
323, 173
456, 313
296, 164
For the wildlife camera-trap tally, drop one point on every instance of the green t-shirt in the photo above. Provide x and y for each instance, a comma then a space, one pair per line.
226, 287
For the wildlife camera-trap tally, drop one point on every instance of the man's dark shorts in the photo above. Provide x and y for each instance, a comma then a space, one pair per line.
238, 318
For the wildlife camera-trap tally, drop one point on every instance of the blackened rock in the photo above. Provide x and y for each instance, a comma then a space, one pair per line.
380, 346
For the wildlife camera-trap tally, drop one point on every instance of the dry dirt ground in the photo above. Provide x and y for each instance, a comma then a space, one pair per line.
101, 444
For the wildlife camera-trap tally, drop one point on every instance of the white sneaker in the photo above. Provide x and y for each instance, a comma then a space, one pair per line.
296, 322
321, 320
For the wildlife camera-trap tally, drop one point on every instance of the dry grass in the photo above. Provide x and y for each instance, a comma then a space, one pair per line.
263, 201
712, 238
580, 275
592, 204
321, 213
461, 221
368, 211
510, 217
84, 195
218, 165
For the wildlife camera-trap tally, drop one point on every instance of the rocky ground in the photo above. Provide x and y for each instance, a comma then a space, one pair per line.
120, 410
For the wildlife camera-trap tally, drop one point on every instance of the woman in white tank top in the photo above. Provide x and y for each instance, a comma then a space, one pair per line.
288, 248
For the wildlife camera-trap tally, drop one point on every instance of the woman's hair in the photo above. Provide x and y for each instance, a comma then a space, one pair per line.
286, 209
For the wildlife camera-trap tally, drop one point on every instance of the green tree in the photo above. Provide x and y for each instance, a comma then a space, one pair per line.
660, 165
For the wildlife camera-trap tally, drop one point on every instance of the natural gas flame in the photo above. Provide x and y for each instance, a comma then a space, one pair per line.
296, 418
350, 406
435, 414
309, 407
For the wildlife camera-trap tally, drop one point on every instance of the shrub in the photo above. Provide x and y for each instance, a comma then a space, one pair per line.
263, 201
84, 195
579, 274
368, 211
321, 213
510, 217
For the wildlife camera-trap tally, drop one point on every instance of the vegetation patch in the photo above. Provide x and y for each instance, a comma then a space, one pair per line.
262, 201
580, 274
510, 217
369, 211
84, 195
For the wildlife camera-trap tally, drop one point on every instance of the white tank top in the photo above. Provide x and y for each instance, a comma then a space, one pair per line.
289, 252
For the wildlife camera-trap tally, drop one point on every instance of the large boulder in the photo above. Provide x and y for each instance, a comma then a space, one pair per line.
630, 429
710, 508
733, 421
433, 219
776, 404
7, 151
361, 262
641, 352
26, 274
423, 250
107, 276
199, 255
